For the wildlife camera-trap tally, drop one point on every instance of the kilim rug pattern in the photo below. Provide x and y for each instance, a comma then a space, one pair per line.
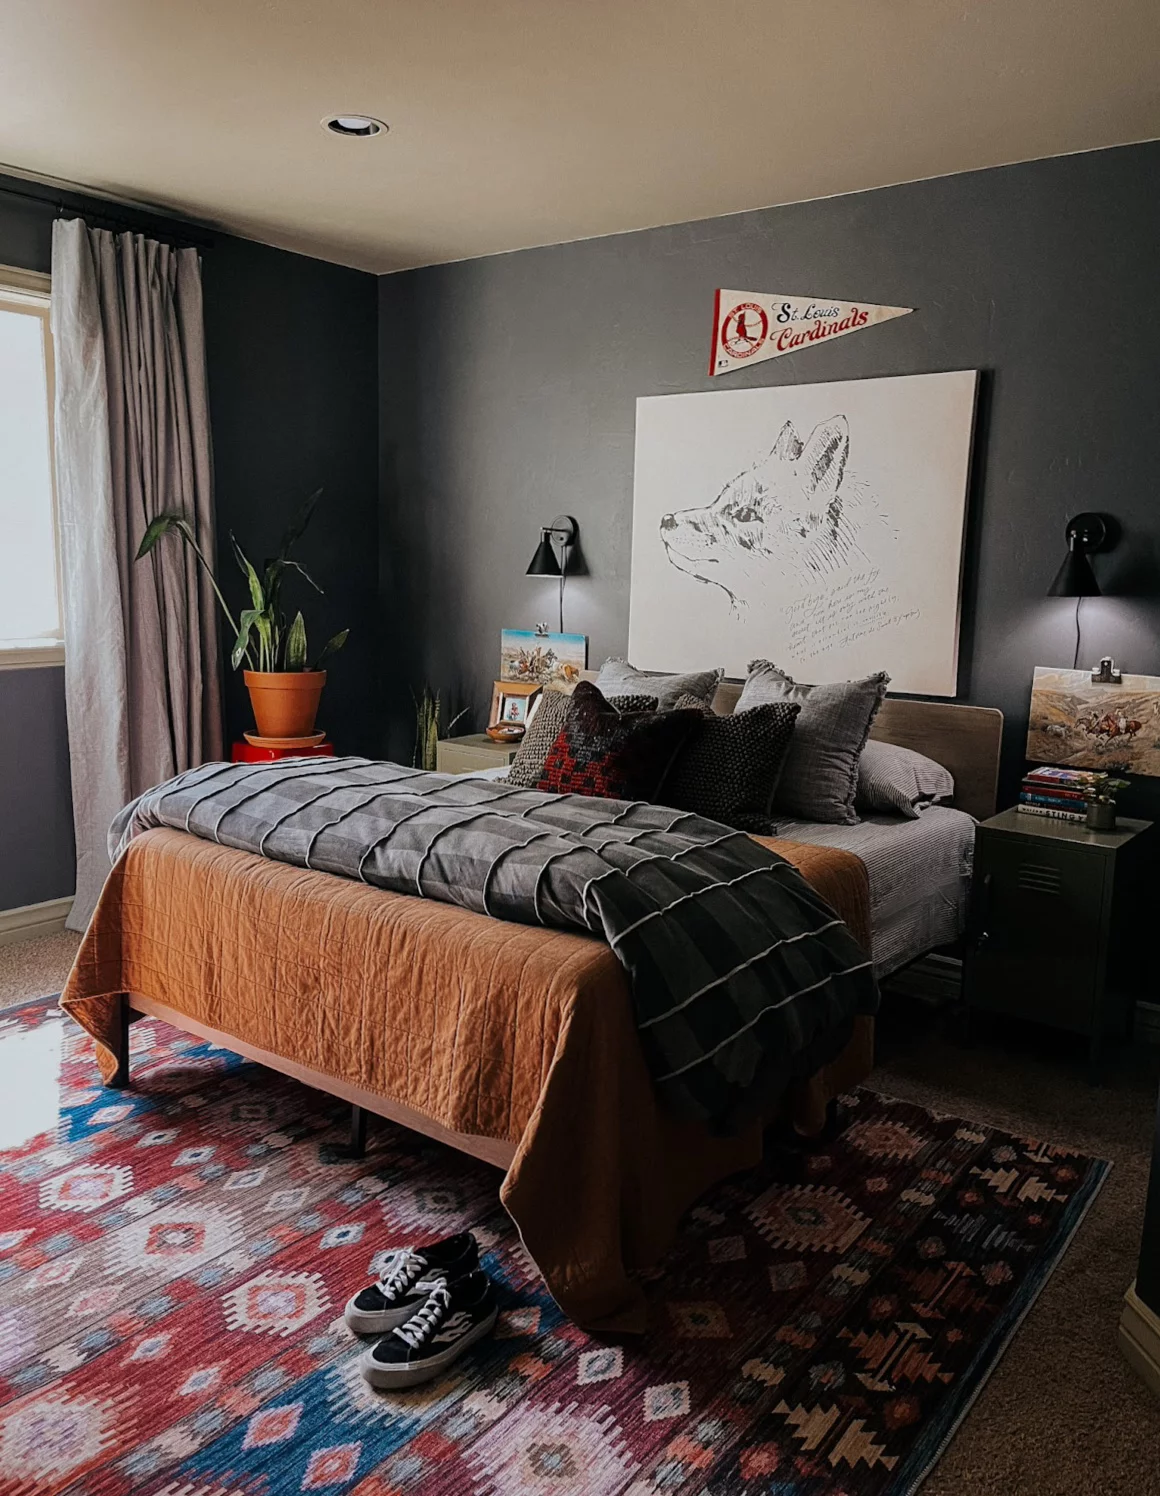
174, 1261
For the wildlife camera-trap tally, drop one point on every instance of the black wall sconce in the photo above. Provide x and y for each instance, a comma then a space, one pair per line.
1085, 534
553, 552
1075, 578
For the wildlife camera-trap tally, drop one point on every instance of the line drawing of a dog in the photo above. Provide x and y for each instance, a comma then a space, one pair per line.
794, 512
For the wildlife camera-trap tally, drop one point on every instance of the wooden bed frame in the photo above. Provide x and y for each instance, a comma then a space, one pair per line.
363, 1103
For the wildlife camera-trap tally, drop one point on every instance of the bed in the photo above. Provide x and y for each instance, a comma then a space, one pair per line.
516, 1044
918, 871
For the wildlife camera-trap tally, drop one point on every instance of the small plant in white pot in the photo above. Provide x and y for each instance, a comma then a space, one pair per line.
284, 688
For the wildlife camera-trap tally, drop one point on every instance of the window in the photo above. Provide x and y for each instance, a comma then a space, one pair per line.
30, 618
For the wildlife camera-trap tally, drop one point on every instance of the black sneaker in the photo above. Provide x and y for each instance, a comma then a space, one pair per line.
407, 1277
454, 1316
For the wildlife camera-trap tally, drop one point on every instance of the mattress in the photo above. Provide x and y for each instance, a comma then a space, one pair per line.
919, 872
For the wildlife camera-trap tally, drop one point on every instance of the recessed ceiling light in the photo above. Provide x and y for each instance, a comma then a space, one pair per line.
358, 126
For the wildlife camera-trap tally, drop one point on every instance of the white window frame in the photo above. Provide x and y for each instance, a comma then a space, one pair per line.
29, 290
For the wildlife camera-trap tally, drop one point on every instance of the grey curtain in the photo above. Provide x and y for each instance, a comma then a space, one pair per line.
142, 664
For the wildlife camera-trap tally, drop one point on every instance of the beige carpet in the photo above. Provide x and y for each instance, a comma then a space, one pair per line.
1062, 1415
30, 968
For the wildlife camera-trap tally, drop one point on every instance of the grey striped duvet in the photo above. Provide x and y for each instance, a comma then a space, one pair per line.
742, 978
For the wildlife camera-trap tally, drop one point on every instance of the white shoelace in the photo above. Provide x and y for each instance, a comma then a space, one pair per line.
426, 1320
401, 1275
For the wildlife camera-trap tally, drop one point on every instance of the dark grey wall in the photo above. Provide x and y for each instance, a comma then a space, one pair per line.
37, 859
291, 349
36, 832
508, 388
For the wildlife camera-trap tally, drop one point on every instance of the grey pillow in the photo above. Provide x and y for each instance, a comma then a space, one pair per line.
898, 780
527, 767
820, 776
619, 677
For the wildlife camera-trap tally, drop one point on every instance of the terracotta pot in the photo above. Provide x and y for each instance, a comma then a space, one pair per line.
285, 702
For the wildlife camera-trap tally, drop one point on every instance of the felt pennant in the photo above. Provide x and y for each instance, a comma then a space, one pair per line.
751, 326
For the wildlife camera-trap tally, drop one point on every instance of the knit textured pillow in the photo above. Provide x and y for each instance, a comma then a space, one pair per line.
821, 769
729, 767
611, 756
527, 767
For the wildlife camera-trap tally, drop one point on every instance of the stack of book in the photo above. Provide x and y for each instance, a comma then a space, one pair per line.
1062, 793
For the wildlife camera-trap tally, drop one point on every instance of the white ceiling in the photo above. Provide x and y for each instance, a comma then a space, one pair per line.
521, 122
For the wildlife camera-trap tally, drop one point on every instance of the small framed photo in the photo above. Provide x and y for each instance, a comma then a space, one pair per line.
514, 703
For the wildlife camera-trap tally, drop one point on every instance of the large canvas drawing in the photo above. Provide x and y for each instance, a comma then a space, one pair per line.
819, 526
1088, 725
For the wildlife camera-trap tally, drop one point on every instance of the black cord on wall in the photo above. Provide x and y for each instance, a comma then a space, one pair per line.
1075, 662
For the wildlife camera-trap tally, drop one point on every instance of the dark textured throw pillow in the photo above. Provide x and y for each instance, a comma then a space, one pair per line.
612, 756
821, 770
729, 767
527, 767
617, 676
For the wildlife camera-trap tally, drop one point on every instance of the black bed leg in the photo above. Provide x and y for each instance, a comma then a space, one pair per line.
333, 1153
120, 1076
358, 1132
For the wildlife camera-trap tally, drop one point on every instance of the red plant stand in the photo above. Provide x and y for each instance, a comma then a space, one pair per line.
246, 753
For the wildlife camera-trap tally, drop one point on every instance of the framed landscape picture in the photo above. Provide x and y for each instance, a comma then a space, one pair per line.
1086, 724
529, 656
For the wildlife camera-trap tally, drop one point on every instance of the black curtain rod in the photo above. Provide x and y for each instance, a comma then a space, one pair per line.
134, 221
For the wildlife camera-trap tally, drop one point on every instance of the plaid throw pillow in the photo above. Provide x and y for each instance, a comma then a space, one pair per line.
527, 767
599, 752
728, 769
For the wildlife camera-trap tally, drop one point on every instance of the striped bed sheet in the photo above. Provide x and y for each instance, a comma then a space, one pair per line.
919, 872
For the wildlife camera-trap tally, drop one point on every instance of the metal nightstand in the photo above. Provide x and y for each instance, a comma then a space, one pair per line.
475, 751
1053, 910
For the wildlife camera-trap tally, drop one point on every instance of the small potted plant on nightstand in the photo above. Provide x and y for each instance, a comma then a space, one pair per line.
1101, 811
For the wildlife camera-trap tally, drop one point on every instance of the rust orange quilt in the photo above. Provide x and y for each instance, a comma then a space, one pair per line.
502, 1031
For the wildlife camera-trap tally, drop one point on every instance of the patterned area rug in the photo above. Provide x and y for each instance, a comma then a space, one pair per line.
174, 1261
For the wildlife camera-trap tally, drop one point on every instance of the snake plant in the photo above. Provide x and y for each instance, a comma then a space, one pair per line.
428, 727
262, 638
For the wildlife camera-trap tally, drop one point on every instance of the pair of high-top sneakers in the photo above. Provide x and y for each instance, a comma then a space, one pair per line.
429, 1304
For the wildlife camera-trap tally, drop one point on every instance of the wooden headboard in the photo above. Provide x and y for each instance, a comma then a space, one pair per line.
964, 739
